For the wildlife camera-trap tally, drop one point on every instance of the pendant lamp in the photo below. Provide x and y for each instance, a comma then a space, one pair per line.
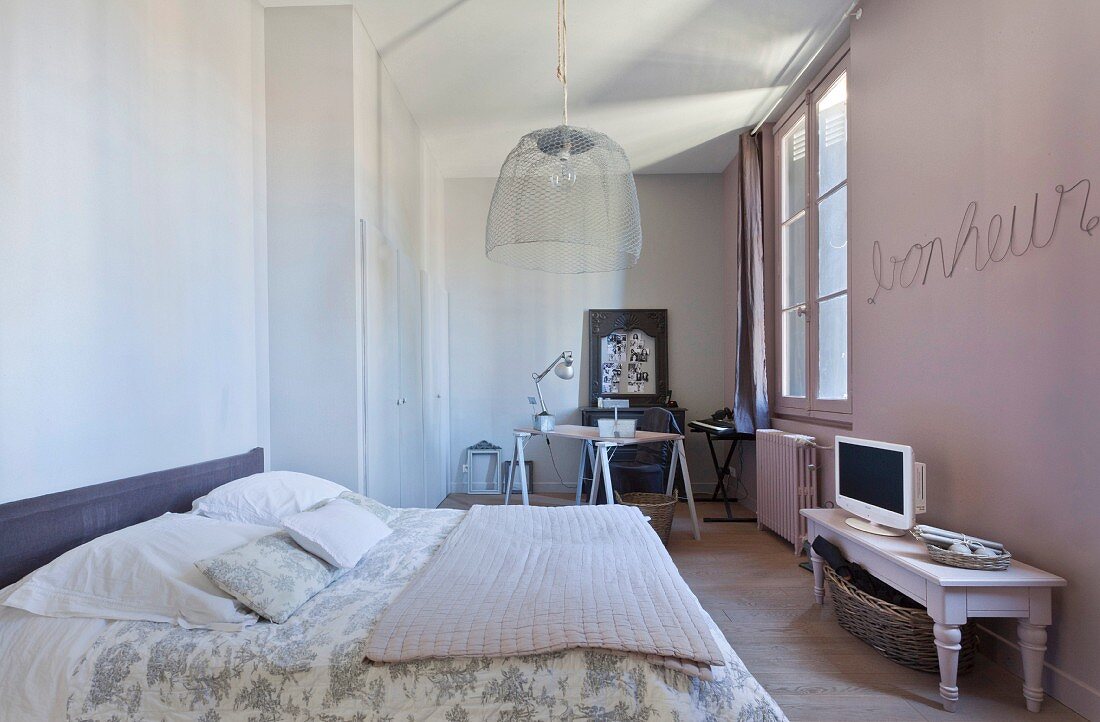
565, 201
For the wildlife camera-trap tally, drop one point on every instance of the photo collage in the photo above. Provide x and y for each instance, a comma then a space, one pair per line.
627, 363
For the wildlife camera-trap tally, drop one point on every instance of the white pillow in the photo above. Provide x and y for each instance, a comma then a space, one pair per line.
340, 532
143, 572
266, 498
387, 514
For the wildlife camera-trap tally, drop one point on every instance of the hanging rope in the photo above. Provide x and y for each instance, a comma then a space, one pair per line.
562, 64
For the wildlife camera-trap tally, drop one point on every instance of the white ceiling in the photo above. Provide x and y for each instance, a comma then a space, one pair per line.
673, 81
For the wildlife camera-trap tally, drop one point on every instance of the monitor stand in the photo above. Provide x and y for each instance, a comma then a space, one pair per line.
872, 528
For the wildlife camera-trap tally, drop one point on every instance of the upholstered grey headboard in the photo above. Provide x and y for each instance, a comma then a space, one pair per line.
34, 532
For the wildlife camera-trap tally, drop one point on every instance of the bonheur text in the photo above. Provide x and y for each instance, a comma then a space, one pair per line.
1002, 240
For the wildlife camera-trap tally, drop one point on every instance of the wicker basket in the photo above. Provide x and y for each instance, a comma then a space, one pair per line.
996, 563
658, 507
900, 634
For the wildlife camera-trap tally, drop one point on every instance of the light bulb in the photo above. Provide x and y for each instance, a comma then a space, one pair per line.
566, 175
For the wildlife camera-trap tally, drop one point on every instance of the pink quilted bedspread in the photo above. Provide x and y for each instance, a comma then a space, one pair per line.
520, 580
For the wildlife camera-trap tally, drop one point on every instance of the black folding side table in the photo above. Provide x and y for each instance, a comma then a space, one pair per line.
723, 470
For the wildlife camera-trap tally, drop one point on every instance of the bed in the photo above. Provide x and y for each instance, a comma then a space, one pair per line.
313, 666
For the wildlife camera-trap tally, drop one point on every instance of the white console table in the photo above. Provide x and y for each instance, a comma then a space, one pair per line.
951, 595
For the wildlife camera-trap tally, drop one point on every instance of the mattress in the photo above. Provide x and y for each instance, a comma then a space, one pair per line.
312, 668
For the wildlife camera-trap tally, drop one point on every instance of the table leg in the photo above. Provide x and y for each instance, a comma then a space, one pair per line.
507, 491
1033, 647
592, 490
522, 471
948, 645
670, 490
720, 471
605, 466
819, 576
687, 486
580, 473
725, 477
512, 469
672, 473
592, 464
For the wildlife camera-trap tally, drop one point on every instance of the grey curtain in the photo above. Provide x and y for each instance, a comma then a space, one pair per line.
750, 402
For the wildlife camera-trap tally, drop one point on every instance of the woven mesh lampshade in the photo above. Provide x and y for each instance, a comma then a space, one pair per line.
565, 202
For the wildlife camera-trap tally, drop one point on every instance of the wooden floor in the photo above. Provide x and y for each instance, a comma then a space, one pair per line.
750, 583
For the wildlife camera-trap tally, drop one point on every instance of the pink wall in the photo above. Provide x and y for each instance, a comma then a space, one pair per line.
994, 375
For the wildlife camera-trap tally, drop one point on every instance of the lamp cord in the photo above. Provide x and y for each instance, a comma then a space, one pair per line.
562, 62
554, 461
561, 480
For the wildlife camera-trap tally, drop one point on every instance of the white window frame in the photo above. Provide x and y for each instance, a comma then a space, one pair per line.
805, 107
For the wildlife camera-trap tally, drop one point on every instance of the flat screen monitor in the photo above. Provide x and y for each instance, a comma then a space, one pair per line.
874, 480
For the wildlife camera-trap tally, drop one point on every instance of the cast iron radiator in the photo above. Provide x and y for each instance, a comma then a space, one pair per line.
786, 480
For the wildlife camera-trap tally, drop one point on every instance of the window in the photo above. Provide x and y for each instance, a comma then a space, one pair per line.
813, 317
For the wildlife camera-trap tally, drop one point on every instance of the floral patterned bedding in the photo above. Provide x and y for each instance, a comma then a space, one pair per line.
311, 668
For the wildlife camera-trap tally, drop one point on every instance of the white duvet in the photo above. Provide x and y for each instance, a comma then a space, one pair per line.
38, 656
311, 668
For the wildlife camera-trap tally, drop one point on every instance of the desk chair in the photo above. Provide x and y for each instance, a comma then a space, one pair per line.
647, 471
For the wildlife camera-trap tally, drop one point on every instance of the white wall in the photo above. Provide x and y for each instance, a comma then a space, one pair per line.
128, 296
312, 275
259, 230
508, 322
343, 148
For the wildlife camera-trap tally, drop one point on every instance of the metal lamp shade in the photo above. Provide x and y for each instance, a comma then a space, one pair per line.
565, 202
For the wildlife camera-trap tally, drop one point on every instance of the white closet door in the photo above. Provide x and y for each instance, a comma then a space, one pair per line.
436, 380
383, 359
431, 412
440, 483
411, 407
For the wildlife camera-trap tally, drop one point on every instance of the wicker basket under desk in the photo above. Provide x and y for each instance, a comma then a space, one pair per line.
900, 634
660, 509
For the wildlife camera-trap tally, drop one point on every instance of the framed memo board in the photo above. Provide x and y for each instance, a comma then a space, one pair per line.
628, 355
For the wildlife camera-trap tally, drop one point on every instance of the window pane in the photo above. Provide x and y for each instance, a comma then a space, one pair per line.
832, 243
832, 348
794, 354
794, 263
832, 136
794, 169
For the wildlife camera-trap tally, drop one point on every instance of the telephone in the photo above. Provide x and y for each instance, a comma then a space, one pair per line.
722, 414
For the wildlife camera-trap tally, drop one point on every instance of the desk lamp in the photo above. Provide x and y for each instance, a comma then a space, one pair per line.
562, 366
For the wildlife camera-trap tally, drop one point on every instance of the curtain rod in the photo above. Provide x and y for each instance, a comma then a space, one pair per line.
850, 12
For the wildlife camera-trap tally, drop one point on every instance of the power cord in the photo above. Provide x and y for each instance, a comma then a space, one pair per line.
554, 462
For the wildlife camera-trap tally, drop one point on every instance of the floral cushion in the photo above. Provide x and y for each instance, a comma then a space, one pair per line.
272, 575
